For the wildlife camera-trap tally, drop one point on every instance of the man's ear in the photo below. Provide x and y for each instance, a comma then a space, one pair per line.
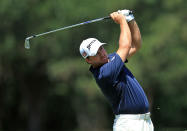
88, 60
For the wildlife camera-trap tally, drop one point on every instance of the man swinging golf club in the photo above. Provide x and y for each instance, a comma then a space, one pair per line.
126, 96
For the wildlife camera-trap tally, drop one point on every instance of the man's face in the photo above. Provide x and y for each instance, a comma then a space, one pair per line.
99, 59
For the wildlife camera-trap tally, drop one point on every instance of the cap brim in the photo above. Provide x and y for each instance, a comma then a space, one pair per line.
96, 49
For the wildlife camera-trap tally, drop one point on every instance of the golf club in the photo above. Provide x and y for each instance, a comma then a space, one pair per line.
27, 43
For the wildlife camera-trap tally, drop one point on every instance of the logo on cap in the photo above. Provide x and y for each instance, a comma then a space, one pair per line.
89, 46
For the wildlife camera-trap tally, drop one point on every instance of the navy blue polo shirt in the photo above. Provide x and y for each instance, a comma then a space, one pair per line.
120, 87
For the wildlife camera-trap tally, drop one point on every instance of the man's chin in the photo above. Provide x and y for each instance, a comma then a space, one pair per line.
105, 61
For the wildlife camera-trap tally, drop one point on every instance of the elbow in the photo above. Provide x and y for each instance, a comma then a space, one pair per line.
128, 46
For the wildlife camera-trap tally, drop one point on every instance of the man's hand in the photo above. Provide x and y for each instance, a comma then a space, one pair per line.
125, 12
128, 14
118, 17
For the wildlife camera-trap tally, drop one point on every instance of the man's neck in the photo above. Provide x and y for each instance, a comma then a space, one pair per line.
96, 66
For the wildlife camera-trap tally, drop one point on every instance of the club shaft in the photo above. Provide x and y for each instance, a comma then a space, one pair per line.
71, 26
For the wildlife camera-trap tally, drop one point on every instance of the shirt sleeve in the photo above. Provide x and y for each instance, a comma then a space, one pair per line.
112, 69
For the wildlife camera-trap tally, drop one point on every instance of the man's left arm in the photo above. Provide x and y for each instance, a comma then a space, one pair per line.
136, 37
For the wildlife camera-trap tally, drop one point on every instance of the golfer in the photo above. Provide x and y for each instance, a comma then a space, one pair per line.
124, 93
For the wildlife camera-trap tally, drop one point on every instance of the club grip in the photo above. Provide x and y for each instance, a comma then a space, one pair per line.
107, 17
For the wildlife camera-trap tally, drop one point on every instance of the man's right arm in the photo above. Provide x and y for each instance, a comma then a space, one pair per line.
125, 35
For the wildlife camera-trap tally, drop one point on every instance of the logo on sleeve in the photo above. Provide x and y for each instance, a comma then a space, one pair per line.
113, 58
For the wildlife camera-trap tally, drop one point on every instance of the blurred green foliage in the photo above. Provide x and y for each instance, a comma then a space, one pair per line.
49, 86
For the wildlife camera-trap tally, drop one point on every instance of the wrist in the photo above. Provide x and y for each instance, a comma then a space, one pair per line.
122, 21
123, 24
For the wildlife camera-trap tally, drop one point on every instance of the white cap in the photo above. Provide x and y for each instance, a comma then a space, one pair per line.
89, 47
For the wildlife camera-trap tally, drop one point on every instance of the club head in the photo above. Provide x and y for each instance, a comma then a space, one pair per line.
27, 43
